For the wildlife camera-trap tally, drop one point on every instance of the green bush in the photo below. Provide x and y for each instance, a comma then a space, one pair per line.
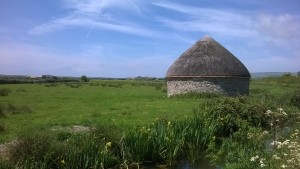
228, 114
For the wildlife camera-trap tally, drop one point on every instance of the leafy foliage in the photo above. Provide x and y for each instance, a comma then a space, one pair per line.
84, 78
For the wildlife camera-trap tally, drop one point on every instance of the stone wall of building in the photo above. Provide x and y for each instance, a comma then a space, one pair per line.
226, 85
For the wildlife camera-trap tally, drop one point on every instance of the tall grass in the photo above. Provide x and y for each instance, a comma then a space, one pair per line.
79, 151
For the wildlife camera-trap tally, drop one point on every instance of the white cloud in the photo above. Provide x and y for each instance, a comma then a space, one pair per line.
280, 29
97, 6
89, 23
96, 14
211, 21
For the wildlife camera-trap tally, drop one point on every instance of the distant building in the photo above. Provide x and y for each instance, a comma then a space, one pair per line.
208, 67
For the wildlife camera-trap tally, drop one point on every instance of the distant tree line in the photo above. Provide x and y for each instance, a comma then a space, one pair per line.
18, 79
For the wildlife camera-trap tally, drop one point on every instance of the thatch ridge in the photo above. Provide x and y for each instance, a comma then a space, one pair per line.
207, 58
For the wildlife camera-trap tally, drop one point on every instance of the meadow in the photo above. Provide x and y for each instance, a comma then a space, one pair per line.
128, 123
121, 104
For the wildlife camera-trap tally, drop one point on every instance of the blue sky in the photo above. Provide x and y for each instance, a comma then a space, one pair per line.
128, 38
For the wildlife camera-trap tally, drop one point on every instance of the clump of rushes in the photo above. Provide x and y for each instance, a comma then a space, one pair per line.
159, 142
2, 128
78, 151
88, 152
4, 91
167, 142
2, 111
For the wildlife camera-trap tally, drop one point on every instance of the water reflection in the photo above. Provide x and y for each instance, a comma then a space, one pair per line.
202, 163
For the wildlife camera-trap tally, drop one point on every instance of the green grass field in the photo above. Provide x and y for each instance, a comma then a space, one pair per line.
123, 104
142, 112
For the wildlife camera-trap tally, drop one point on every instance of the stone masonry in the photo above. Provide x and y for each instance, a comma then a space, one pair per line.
230, 86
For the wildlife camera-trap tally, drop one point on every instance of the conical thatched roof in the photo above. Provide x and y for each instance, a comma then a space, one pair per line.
207, 58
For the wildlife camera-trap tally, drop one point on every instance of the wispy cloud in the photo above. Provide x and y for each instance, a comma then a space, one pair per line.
276, 27
97, 14
96, 6
208, 20
83, 21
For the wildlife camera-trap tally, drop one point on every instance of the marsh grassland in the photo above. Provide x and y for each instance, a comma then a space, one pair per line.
132, 124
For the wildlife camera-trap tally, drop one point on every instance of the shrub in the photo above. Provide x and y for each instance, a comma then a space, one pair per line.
229, 114
4, 91
84, 78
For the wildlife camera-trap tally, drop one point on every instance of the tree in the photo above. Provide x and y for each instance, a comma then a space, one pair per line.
83, 78
298, 74
288, 74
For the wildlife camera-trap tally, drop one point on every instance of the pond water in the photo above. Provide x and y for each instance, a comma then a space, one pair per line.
202, 163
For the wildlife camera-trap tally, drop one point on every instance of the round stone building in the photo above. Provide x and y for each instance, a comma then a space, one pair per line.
208, 67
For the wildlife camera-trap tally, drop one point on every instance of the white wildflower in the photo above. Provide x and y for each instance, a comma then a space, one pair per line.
276, 157
283, 166
254, 158
268, 113
265, 133
261, 162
